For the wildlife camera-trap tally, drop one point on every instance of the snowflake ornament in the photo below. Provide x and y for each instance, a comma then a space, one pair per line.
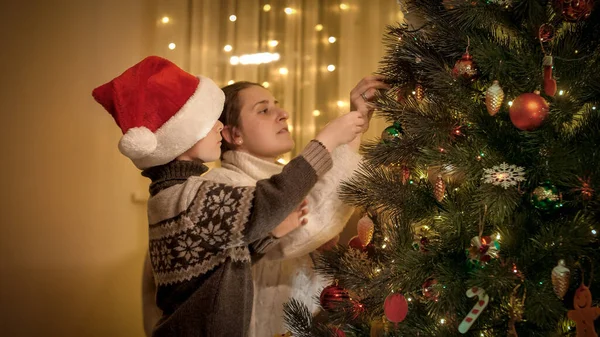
504, 175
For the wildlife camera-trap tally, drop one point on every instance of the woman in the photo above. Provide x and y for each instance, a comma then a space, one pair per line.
255, 134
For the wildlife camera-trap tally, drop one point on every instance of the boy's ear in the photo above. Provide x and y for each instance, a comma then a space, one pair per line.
227, 134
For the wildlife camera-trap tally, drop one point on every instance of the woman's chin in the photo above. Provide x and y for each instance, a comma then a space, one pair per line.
285, 146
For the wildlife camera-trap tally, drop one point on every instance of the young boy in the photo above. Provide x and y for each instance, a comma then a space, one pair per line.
201, 232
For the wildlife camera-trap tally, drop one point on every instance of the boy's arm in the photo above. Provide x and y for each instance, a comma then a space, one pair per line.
278, 196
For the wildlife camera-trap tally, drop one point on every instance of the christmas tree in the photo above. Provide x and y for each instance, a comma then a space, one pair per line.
481, 198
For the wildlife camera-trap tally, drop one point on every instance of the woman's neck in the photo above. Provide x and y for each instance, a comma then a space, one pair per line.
266, 158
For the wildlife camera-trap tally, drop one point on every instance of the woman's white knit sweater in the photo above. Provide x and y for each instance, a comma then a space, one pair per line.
287, 270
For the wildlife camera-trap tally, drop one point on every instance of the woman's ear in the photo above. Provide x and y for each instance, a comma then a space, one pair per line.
231, 135
227, 134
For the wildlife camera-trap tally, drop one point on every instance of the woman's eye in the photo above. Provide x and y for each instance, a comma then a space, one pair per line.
264, 111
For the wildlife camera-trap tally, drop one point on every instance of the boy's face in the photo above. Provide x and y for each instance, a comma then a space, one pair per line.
206, 149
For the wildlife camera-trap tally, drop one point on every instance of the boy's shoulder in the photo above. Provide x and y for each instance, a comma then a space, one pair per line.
230, 177
204, 192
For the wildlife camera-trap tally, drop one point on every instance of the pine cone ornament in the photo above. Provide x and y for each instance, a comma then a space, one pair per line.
440, 189
494, 97
419, 92
365, 229
560, 279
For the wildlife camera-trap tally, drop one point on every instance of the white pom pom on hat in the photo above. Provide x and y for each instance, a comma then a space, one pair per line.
138, 142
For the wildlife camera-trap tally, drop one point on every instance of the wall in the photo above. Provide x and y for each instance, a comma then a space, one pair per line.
72, 240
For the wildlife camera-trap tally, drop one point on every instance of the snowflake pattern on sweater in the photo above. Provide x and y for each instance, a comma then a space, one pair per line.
203, 236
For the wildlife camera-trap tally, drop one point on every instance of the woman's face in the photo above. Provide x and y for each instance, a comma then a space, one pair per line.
263, 130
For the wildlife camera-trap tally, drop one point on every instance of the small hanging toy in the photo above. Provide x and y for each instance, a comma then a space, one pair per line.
549, 81
583, 313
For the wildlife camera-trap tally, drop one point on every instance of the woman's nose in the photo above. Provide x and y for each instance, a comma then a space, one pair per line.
283, 115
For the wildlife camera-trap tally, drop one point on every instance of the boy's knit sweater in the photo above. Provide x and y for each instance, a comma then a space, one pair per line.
200, 234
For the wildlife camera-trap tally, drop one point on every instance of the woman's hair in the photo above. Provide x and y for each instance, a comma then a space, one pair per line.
232, 107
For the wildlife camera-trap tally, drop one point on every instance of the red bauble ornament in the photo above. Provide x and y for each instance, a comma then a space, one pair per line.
400, 96
357, 244
546, 32
465, 68
429, 289
357, 309
575, 10
329, 244
332, 296
405, 175
339, 332
395, 308
528, 111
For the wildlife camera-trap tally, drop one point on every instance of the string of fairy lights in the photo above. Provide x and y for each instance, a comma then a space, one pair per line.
272, 58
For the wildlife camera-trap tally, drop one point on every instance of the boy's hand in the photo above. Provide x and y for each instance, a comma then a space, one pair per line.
342, 130
293, 221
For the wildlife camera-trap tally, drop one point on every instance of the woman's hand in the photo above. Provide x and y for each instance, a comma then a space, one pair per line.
293, 221
364, 93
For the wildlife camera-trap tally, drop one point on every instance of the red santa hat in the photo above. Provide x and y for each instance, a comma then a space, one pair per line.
161, 109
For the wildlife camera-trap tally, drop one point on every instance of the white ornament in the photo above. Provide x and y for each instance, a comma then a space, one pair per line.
504, 175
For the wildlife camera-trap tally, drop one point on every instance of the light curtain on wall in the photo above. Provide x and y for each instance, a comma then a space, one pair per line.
324, 48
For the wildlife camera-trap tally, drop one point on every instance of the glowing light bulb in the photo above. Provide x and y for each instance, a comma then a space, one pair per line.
331, 67
331, 39
265, 84
316, 113
172, 45
341, 104
234, 60
283, 71
232, 18
498, 236
266, 7
319, 27
165, 19
230, 82
561, 92
594, 231
510, 103
228, 48
273, 43
289, 10
442, 321
344, 6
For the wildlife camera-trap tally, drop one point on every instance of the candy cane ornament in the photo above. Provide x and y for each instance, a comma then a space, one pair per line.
482, 301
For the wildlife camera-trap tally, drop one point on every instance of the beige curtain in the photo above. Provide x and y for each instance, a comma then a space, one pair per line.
303, 31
